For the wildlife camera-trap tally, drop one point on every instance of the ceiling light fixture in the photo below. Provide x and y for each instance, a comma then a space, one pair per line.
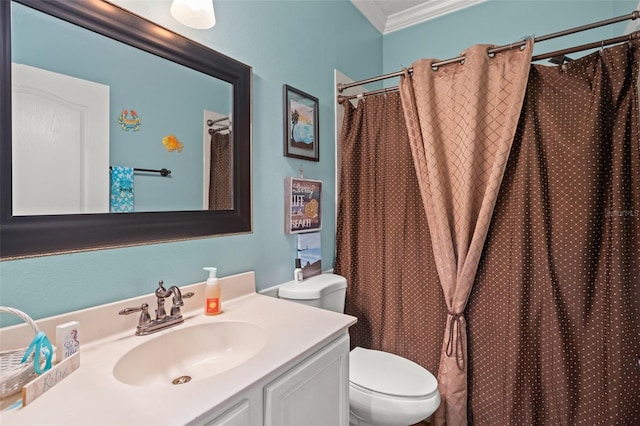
194, 13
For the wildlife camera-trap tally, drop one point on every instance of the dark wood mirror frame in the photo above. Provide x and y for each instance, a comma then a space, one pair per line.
26, 236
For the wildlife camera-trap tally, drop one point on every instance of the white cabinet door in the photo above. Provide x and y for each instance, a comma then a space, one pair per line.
315, 392
238, 415
245, 410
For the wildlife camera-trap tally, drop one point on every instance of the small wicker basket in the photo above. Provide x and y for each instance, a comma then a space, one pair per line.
13, 372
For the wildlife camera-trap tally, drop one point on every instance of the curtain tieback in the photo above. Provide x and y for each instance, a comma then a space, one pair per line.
455, 321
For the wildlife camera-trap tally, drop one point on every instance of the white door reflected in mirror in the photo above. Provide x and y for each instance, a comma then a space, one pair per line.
60, 143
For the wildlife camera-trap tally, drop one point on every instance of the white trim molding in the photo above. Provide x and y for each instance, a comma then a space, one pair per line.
430, 9
372, 12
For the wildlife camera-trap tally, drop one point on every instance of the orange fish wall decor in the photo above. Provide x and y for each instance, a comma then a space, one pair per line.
171, 143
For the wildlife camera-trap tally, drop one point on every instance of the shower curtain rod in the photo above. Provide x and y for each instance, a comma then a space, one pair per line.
212, 122
630, 16
629, 37
219, 129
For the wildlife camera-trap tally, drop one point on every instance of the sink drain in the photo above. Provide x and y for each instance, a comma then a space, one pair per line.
181, 380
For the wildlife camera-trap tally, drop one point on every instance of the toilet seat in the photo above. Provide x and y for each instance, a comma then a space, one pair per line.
388, 390
389, 374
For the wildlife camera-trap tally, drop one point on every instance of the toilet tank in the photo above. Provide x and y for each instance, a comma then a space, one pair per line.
326, 291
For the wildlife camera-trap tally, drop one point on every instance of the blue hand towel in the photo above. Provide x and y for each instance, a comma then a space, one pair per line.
121, 189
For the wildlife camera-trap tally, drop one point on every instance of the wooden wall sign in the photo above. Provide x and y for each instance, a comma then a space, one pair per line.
303, 205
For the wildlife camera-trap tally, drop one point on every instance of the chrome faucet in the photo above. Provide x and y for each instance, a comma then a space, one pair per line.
146, 325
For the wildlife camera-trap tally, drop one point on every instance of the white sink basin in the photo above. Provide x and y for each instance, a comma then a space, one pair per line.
190, 353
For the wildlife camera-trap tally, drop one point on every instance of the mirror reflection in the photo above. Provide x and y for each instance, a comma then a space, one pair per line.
156, 119
100, 126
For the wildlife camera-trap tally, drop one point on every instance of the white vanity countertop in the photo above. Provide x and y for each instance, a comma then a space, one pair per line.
93, 396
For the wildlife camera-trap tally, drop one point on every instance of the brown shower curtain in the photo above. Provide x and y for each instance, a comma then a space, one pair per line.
221, 174
461, 120
554, 316
383, 246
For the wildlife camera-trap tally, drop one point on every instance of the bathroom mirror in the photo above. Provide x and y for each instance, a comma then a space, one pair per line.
222, 88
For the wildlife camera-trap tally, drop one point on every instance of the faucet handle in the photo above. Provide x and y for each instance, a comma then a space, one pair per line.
175, 308
145, 318
128, 311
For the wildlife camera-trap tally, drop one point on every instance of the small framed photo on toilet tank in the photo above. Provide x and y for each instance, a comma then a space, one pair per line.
302, 205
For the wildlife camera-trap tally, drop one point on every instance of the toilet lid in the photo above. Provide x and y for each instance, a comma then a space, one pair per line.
390, 374
312, 288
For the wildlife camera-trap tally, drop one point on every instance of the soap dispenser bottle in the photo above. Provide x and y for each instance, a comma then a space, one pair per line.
212, 305
297, 272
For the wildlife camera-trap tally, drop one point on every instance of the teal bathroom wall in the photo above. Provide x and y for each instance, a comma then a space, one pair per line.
286, 42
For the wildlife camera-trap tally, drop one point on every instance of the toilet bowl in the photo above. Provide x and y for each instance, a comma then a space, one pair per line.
384, 389
388, 390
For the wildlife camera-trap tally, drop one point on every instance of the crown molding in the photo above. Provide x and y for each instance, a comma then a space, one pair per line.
423, 12
372, 12
430, 9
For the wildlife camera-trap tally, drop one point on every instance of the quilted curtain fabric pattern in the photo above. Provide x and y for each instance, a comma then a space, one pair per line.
557, 296
461, 120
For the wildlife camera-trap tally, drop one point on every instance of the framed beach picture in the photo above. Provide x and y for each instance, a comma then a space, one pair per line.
300, 125
302, 205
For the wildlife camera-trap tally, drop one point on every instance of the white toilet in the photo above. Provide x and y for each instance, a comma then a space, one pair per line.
384, 389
